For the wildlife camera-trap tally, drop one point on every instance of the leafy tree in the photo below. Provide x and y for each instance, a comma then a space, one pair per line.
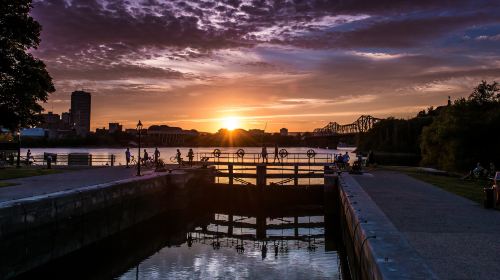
24, 81
466, 132
485, 93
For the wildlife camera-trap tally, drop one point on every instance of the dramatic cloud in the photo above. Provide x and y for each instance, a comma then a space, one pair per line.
299, 63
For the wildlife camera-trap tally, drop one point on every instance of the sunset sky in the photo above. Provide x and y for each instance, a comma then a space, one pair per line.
295, 64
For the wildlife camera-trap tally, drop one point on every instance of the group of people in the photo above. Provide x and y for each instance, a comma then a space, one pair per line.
480, 172
156, 157
342, 158
190, 155
264, 154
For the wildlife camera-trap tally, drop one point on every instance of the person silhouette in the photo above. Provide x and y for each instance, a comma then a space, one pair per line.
190, 156
127, 157
264, 154
276, 153
178, 157
156, 155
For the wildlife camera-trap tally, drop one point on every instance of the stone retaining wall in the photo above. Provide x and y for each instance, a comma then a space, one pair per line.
36, 230
375, 248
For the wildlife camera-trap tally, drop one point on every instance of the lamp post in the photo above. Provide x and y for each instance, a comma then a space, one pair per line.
139, 130
18, 164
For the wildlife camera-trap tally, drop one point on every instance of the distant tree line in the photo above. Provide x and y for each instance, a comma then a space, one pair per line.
222, 138
453, 137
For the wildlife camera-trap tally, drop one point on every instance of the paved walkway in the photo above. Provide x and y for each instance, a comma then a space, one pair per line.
457, 237
39, 185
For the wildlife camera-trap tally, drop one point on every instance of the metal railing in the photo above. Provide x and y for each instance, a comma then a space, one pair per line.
217, 157
72, 159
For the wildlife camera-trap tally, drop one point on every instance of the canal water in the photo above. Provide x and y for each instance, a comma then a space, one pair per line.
210, 242
242, 256
208, 245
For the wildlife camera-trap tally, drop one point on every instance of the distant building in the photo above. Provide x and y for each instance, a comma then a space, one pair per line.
80, 112
66, 119
131, 131
284, 132
169, 135
256, 132
115, 127
101, 131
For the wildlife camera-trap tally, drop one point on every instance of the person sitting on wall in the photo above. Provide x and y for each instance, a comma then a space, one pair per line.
370, 160
475, 173
492, 170
346, 158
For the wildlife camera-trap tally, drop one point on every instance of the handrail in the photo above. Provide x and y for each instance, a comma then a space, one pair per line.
64, 159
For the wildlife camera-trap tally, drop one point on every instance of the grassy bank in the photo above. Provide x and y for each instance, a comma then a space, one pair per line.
472, 190
12, 172
6, 184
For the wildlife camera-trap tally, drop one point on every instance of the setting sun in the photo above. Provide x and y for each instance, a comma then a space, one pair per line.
230, 123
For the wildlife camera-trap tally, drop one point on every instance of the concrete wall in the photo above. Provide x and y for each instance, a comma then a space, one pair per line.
36, 230
375, 248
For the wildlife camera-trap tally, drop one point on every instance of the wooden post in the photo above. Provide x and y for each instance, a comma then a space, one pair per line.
261, 176
231, 174
112, 160
261, 226
230, 225
296, 226
296, 175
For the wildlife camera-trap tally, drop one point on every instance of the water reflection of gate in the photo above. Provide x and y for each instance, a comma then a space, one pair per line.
233, 231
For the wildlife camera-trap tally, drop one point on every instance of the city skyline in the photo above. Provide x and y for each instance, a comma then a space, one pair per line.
197, 64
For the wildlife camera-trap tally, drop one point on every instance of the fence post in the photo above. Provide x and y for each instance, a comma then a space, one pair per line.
296, 175
231, 176
112, 160
261, 176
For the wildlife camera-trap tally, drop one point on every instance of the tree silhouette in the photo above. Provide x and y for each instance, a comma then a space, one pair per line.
24, 81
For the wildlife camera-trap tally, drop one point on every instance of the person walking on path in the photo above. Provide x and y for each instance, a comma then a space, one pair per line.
127, 157
264, 154
276, 153
178, 157
157, 156
145, 157
28, 157
190, 157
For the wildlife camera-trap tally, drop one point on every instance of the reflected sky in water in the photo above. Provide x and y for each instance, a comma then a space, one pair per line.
292, 259
201, 261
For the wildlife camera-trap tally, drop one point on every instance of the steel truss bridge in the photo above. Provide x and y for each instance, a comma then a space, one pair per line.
362, 124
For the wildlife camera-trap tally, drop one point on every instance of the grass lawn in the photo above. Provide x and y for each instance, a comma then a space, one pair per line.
12, 172
6, 184
472, 190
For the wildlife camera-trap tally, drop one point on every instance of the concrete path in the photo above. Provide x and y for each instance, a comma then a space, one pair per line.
457, 237
39, 185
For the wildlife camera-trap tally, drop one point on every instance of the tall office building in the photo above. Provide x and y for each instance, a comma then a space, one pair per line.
80, 111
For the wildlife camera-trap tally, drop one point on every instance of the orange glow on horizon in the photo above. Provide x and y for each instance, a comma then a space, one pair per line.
230, 123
